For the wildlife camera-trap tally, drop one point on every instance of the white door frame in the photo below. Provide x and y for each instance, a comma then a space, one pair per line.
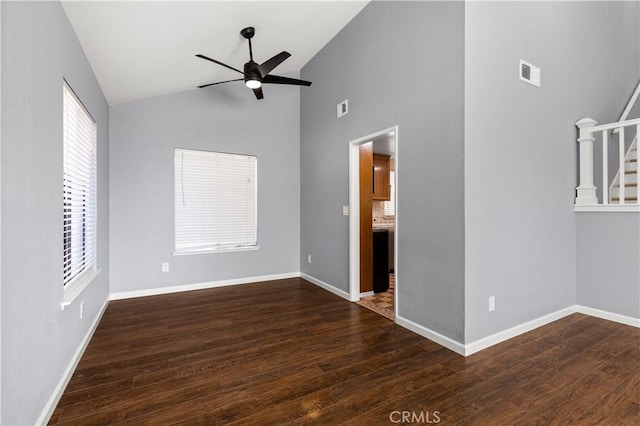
354, 213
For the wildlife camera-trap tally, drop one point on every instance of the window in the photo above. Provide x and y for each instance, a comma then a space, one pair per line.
215, 201
79, 181
390, 206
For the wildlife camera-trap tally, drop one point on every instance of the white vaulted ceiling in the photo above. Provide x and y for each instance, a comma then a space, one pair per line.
142, 49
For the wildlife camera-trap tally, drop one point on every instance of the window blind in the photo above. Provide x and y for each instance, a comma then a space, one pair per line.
390, 206
79, 179
215, 201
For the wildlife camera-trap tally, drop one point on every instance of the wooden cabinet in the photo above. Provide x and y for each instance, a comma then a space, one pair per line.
381, 182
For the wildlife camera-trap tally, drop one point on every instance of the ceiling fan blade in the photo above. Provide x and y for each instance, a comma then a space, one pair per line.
219, 82
267, 66
276, 79
219, 63
258, 93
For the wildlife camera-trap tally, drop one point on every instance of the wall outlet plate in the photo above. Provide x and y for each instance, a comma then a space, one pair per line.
165, 267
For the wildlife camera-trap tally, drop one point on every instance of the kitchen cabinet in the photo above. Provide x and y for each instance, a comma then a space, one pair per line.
381, 181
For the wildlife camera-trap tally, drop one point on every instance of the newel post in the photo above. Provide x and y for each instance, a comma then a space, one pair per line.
586, 191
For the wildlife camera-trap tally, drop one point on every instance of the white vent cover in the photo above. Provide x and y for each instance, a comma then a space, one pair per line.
343, 108
529, 73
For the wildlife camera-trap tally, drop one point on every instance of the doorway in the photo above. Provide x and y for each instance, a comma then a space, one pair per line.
373, 219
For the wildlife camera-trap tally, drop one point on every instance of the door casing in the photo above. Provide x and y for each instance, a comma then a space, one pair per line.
354, 213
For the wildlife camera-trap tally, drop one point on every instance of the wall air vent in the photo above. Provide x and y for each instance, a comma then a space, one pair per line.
529, 73
343, 108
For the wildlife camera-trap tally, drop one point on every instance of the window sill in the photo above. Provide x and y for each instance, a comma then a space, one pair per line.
209, 251
78, 287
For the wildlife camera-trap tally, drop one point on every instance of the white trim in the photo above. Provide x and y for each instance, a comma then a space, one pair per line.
501, 336
622, 319
76, 287
607, 208
354, 221
366, 294
200, 286
327, 287
186, 252
50, 407
434, 336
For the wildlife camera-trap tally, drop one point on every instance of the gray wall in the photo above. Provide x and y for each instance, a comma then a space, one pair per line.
224, 118
397, 63
608, 262
520, 149
39, 49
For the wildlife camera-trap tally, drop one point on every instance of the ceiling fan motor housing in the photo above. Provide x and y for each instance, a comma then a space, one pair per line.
251, 71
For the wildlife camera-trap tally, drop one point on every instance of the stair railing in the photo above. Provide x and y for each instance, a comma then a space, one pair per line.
630, 104
586, 191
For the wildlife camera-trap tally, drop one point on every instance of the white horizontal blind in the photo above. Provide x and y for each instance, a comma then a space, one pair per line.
215, 201
390, 206
79, 188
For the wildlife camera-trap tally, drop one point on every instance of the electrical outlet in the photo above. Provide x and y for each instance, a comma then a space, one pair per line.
308, 258
81, 309
345, 210
165, 267
492, 303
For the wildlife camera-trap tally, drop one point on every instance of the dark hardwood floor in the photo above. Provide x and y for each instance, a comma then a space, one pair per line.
287, 352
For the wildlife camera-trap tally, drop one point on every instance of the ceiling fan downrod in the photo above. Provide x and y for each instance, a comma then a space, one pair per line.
248, 33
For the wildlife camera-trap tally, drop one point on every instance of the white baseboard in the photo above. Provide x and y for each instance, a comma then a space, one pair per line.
501, 336
622, 319
431, 335
366, 294
326, 286
200, 286
50, 407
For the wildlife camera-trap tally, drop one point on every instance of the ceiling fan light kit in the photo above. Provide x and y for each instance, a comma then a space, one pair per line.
254, 74
253, 84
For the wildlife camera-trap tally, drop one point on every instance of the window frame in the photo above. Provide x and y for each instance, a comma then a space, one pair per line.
78, 279
214, 247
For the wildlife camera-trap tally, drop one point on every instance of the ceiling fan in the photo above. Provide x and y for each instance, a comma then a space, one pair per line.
255, 75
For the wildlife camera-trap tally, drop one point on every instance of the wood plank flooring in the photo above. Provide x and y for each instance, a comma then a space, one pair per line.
287, 352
